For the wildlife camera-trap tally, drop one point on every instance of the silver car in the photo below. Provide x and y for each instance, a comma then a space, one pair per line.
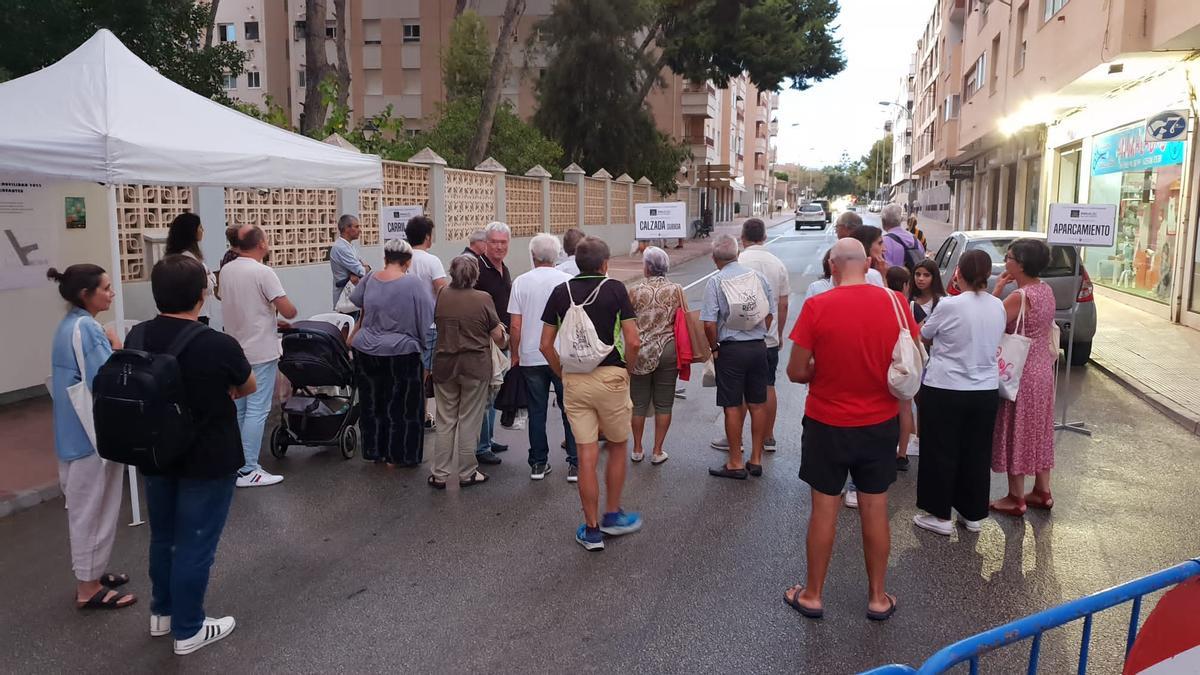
1059, 274
810, 216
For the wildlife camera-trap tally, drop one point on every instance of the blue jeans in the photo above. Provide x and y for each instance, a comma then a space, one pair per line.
538, 379
186, 520
252, 412
489, 425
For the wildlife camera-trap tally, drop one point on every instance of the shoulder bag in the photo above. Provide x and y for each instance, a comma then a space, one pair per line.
1011, 356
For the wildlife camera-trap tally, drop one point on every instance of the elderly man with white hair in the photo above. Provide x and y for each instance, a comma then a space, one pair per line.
900, 247
736, 325
525, 307
494, 280
842, 348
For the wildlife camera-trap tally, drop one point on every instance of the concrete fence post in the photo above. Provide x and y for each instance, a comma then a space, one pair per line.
436, 208
210, 206
607, 178
627, 180
497, 169
543, 177
575, 174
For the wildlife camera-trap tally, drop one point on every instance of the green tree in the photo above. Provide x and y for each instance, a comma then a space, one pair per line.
167, 34
876, 165
586, 102
466, 61
514, 143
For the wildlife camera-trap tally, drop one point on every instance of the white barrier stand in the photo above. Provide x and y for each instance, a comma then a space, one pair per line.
135, 503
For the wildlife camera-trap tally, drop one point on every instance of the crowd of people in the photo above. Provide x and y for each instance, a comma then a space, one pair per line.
613, 356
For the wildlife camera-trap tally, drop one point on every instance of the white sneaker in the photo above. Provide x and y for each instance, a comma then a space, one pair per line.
971, 525
211, 631
721, 444
258, 478
637, 456
914, 446
659, 459
933, 524
851, 499
159, 625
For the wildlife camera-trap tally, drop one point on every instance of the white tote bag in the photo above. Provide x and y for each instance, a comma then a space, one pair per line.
343, 305
1011, 356
79, 393
908, 361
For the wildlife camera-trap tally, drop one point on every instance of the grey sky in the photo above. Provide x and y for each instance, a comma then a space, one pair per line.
843, 113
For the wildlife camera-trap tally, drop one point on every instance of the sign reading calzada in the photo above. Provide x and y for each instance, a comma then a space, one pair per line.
392, 220
1082, 224
660, 220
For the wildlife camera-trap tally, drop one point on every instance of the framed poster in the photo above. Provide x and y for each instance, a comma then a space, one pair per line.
76, 213
28, 236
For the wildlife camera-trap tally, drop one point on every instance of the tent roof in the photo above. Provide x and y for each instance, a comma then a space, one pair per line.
102, 114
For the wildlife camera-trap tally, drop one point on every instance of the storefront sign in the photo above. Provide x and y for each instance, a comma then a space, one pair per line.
392, 220
962, 172
1128, 150
1167, 126
660, 220
1082, 224
939, 175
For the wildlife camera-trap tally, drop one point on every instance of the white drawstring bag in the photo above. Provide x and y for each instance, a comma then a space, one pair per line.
80, 393
1011, 356
579, 347
748, 304
908, 362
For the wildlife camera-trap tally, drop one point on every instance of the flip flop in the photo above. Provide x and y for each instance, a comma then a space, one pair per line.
435, 483
114, 580
754, 469
885, 614
98, 600
794, 603
724, 471
477, 478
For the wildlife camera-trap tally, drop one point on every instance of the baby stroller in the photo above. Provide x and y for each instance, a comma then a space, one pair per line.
323, 408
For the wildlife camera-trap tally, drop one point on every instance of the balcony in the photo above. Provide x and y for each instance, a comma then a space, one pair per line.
774, 128
699, 140
699, 101
958, 10
760, 145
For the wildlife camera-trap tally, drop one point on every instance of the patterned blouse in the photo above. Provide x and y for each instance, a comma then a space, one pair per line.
655, 301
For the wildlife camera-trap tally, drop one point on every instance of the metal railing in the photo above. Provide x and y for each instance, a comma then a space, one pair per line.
969, 650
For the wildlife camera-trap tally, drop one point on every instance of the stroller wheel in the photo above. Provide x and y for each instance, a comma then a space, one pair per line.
279, 442
348, 443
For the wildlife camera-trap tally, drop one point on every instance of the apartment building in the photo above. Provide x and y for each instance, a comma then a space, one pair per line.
904, 189
1045, 101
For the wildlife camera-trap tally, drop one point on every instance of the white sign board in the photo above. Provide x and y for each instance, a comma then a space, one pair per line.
392, 219
1082, 224
660, 220
29, 225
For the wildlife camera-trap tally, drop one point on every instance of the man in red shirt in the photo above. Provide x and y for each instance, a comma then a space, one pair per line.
842, 347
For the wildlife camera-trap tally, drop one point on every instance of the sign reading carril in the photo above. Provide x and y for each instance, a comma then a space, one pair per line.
1082, 224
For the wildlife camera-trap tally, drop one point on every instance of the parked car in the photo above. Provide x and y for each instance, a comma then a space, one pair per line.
876, 206
1059, 274
810, 216
825, 206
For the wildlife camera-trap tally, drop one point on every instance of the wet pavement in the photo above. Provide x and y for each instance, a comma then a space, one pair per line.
352, 567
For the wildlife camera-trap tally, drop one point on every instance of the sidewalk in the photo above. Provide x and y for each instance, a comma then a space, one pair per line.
29, 474
1151, 357
628, 268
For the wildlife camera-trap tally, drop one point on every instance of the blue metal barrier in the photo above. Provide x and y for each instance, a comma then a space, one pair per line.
970, 649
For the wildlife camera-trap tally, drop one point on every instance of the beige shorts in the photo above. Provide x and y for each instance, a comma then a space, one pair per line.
598, 402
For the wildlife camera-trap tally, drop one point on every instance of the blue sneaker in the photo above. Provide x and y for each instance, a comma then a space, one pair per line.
620, 522
590, 538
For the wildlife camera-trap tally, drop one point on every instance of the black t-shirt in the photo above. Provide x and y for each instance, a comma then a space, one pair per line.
607, 311
498, 284
210, 364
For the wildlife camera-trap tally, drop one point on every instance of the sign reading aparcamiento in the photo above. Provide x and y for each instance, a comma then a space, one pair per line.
1082, 224
660, 220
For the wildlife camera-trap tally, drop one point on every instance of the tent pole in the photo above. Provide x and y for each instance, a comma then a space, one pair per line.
114, 240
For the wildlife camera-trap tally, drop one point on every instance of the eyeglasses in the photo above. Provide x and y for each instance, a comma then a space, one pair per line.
1009, 256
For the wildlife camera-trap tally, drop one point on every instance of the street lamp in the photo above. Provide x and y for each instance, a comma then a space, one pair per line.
901, 107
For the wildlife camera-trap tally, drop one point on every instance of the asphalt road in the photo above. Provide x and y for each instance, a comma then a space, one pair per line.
351, 567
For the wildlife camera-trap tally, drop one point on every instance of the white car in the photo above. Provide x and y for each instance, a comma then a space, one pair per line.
810, 216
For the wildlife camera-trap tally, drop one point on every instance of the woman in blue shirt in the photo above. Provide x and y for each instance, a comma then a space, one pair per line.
92, 485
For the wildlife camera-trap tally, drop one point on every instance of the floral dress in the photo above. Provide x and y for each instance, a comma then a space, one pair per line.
1023, 440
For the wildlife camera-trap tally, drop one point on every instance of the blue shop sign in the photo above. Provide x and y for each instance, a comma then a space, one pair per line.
1128, 151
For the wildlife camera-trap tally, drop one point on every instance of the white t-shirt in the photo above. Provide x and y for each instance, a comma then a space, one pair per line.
212, 284
569, 266
821, 285
966, 331
427, 266
759, 259
247, 289
530, 291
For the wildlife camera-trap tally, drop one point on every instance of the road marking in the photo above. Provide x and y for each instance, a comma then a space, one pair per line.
706, 277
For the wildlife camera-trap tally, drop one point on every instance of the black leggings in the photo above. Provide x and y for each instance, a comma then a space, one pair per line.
956, 451
393, 408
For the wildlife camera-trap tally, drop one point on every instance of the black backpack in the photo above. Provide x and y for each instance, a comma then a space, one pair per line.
140, 407
912, 255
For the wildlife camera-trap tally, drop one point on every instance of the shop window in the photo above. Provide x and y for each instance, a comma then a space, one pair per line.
250, 28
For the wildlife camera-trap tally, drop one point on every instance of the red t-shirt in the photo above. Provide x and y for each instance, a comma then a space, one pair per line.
851, 331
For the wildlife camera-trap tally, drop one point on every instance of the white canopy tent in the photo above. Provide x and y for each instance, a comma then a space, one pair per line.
103, 115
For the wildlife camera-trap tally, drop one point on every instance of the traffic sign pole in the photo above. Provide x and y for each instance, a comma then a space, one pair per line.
1064, 425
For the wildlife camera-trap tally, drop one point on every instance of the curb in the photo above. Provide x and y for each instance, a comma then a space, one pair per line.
27, 499
1164, 405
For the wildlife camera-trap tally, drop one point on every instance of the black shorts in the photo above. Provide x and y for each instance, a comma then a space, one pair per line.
867, 453
741, 369
772, 364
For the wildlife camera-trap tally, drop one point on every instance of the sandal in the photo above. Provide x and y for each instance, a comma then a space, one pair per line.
659, 458
114, 580
724, 471
794, 603
1040, 500
637, 457
754, 469
885, 614
1018, 509
436, 484
477, 478
103, 600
